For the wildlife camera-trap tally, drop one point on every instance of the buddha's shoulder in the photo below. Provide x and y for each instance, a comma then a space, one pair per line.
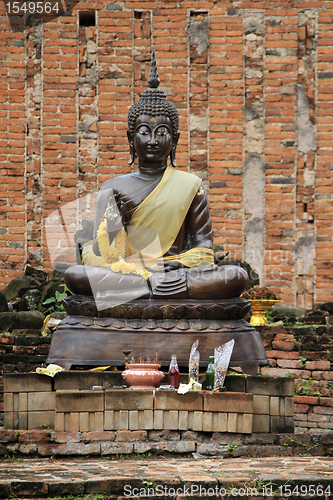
179, 176
118, 182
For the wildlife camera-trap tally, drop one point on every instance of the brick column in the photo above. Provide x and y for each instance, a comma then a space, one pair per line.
12, 149
254, 172
34, 173
87, 104
280, 150
324, 173
170, 41
115, 90
198, 94
142, 47
226, 127
60, 137
306, 160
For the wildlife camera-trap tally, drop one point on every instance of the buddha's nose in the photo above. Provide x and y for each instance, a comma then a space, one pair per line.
152, 139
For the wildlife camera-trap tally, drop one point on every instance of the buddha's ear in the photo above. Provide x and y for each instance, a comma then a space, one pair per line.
131, 148
173, 151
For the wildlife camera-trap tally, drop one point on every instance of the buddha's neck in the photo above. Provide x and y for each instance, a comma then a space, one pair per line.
152, 171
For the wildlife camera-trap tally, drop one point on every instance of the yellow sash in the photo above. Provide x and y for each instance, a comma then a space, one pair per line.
156, 223
163, 212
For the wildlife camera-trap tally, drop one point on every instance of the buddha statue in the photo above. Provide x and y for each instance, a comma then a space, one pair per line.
153, 236
147, 280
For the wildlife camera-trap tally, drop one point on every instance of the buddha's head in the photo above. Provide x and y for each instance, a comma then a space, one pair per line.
153, 124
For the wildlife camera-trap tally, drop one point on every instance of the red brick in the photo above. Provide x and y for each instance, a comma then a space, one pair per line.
317, 365
309, 400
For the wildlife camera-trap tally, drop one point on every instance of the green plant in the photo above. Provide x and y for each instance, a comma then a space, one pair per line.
309, 387
55, 303
232, 447
302, 359
147, 484
269, 318
12, 458
295, 441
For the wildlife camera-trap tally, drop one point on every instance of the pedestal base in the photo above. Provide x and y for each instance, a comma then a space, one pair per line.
99, 341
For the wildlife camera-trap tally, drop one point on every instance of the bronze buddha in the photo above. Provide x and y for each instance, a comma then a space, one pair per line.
154, 223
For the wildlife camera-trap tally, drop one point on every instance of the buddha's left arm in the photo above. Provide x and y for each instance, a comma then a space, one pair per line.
199, 224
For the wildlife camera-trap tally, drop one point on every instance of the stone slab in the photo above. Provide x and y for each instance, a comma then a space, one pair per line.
261, 405
41, 419
76, 401
231, 402
261, 423
27, 382
129, 400
171, 400
41, 401
289, 407
270, 386
220, 422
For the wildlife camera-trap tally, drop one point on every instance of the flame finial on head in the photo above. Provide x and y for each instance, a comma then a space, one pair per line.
153, 78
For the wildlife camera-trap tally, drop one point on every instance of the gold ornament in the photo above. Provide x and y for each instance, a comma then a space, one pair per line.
110, 253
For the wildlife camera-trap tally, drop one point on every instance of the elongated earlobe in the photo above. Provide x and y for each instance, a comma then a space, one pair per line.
173, 151
173, 157
131, 148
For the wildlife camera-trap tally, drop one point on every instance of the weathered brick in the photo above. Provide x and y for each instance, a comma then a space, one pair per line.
269, 386
84, 422
40, 419
274, 405
131, 435
232, 402
146, 419
59, 422
317, 365
183, 420
220, 422
27, 382
120, 420
77, 401
261, 404
261, 423
116, 448
8, 402
129, 400
306, 400
40, 401
158, 419
170, 400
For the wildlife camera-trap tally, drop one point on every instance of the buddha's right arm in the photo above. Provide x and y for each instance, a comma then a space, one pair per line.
105, 198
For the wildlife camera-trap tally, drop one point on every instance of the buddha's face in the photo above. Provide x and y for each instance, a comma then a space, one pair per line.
153, 140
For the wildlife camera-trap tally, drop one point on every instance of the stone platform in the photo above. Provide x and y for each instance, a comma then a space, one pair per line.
68, 403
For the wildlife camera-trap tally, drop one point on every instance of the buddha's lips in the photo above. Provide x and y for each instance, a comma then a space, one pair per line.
153, 150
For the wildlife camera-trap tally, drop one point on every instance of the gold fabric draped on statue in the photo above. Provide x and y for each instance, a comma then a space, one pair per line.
156, 222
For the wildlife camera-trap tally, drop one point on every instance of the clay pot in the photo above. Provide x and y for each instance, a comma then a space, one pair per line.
259, 307
142, 375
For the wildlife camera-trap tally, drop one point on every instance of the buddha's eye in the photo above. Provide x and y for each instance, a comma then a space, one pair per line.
163, 131
143, 130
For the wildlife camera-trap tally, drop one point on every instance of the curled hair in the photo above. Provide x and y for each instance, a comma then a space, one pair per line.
153, 102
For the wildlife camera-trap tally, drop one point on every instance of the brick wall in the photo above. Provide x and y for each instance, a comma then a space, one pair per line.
304, 351
253, 87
